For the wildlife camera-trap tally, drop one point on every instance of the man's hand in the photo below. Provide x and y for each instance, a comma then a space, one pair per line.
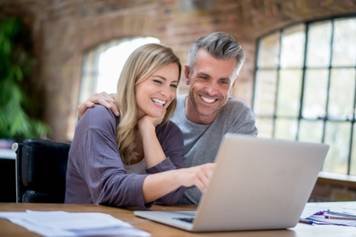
102, 98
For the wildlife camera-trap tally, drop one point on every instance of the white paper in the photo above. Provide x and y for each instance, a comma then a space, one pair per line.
59, 223
311, 208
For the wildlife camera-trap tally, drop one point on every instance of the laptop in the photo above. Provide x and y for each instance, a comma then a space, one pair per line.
257, 184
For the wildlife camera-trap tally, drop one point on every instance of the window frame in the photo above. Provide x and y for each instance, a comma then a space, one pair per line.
299, 117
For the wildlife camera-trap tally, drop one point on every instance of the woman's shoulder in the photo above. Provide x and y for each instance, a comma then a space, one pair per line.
98, 117
168, 127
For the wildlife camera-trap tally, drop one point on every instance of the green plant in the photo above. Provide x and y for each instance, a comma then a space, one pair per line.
16, 63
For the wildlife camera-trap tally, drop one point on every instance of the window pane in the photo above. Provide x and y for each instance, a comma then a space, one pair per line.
292, 52
315, 92
338, 137
319, 44
89, 75
310, 131
112, 60
353, 157
289, 92
344, 47
341, 97
268, 51
286, 129
264, 127
265, 92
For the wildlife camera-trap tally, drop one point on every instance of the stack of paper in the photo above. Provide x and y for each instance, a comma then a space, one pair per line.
328, 217
59, 223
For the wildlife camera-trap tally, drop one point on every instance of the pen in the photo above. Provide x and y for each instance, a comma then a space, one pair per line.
340, 214
350, 218
306, 221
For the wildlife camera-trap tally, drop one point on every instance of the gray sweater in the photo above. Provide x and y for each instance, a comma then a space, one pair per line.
95, 172
201, 142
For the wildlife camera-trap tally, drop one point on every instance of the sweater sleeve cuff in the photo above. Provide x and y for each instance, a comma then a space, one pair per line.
164, 165
140, 200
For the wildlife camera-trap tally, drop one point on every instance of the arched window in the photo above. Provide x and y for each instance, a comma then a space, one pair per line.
305, 87
102, 65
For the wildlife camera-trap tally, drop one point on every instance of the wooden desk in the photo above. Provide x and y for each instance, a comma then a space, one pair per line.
9, 229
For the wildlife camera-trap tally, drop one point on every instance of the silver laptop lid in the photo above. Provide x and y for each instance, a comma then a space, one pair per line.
259, 184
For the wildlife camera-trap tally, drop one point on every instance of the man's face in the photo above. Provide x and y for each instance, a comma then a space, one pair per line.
210, 82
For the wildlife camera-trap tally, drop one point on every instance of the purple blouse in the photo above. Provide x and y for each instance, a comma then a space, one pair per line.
95, 172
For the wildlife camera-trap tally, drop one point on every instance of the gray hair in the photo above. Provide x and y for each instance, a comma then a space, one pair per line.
220, 45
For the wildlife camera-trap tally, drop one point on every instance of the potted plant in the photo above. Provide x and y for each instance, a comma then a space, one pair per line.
16, 121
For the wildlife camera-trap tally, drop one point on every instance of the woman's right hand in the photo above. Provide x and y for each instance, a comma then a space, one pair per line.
198, 176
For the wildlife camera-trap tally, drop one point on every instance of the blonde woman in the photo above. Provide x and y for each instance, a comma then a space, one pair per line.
136, 158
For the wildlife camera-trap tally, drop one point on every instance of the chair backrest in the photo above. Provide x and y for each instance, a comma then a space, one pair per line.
41, 171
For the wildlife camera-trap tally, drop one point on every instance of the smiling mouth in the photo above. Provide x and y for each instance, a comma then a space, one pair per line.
208, 100
159, 102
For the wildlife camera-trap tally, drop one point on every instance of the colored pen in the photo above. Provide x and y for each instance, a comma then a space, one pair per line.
340, 217
306, 221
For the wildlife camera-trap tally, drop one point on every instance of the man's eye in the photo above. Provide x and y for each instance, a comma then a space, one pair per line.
203, 77
224, 81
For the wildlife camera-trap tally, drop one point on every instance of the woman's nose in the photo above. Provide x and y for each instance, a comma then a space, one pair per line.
168, 93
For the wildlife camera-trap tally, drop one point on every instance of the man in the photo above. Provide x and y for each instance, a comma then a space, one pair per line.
208, 111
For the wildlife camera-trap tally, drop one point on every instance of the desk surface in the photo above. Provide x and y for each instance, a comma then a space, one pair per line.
9, 229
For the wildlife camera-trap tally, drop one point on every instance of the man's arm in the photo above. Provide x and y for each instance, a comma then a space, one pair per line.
102, 98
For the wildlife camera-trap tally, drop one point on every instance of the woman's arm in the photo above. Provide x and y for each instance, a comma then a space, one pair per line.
160, 184
163, 148
98, 162
96, 159
153, 152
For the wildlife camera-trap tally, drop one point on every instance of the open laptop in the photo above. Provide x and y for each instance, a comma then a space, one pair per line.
257, 184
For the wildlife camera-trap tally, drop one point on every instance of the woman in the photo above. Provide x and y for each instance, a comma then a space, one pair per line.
134, 159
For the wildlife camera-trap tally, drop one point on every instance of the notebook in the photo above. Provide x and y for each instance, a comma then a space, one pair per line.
257, 184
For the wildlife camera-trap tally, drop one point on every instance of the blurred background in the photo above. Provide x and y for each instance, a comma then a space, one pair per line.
299, 76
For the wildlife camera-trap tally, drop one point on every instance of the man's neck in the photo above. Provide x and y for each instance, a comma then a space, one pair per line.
193, 115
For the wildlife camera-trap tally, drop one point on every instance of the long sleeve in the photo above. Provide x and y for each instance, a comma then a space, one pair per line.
95, 171
107, 180
171, 140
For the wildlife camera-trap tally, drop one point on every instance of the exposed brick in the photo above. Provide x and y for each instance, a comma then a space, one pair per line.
63, 30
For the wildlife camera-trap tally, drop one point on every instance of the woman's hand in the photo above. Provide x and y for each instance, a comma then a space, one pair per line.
103, 98
198, 176
159, 184
146, 121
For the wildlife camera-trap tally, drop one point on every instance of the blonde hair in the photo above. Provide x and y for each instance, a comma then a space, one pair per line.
141, 64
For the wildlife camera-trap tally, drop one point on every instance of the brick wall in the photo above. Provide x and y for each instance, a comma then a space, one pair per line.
63, 30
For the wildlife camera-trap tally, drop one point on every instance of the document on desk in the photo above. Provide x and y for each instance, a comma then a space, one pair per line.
328, 217
327, 214
59, 223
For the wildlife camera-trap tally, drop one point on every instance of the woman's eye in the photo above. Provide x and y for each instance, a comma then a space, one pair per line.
157, 81
174, 86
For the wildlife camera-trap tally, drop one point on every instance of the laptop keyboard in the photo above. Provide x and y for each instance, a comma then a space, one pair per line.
186, 219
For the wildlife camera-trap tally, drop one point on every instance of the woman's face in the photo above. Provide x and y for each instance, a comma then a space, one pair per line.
155, 94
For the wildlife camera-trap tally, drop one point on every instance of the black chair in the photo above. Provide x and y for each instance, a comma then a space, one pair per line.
41, 171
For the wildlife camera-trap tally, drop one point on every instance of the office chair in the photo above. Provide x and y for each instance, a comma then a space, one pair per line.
41, 170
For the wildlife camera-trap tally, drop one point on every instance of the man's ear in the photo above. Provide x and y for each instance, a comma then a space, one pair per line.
187, 74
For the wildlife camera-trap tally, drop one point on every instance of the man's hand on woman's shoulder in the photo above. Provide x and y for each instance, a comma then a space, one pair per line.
102, 98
